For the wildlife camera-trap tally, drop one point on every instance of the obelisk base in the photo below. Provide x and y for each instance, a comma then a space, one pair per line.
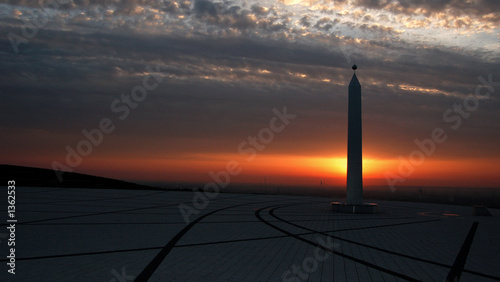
365, 208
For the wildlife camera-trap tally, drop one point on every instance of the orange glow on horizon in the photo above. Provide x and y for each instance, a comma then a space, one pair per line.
197, 167
289, 169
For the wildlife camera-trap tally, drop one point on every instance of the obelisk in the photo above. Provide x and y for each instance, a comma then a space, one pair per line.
354, 144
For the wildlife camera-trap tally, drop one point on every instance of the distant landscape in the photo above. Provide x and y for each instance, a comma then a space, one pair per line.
489, 197
39, 177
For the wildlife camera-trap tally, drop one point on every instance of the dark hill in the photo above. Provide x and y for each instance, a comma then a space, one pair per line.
40, 177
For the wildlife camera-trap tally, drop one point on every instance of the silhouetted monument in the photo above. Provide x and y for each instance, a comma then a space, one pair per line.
354, 202
354, 144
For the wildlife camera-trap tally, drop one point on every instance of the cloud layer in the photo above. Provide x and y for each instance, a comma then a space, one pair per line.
227, 64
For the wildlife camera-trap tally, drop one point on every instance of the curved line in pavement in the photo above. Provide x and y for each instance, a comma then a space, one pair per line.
271, 212
368, 264
158, 259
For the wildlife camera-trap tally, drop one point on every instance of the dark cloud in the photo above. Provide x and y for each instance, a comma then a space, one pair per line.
326, 23
304, 21
204, 8
259, 10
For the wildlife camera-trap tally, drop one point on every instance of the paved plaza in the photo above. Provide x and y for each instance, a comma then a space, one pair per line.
120, 235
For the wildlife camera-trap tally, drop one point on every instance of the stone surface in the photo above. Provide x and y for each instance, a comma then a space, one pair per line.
97, 235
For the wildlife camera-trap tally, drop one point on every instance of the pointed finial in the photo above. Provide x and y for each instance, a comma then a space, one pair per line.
354, 67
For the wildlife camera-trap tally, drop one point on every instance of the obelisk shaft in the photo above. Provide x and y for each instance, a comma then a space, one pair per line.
354, 145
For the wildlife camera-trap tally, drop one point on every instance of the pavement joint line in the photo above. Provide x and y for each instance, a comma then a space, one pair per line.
158, 259
387, 251
140, 204
107, 212
458, 266
368, 264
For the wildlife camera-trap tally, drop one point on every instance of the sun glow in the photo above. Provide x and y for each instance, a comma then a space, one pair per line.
337, 166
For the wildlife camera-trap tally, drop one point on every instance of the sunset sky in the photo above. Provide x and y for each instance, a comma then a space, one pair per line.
209, 75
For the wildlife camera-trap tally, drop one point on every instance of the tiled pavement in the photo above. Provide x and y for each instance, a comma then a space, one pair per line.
116, 235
